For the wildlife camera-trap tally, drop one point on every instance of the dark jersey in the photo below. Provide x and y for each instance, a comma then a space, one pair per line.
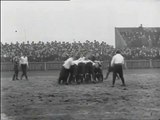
16, 62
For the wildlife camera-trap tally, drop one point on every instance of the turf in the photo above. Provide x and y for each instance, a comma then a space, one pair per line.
41, 98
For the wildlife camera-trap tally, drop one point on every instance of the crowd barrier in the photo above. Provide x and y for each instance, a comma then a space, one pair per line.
56, 65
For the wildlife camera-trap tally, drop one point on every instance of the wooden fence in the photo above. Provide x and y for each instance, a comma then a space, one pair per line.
43, 66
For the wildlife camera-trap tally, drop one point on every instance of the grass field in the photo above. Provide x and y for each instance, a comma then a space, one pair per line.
41, 98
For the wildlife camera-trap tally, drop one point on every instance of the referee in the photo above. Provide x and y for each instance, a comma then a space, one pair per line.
117, 62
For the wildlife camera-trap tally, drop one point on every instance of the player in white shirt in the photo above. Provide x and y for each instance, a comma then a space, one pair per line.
65, 70
109, 70
81, 59
24, 65
73, 72
117, 62
75, 62
67, 64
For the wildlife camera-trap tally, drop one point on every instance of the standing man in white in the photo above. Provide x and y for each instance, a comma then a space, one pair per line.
117, 62
24, 65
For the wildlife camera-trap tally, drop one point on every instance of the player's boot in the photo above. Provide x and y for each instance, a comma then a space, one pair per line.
13, 77
16, 77
26, 77
21, 77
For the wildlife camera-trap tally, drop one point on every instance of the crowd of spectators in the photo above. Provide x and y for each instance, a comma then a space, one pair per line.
59, 51
139, 37
141, 53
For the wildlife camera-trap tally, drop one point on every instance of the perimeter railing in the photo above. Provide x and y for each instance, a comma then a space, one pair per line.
56, 65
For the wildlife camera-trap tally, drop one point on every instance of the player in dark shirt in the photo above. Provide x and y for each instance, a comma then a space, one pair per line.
16, 67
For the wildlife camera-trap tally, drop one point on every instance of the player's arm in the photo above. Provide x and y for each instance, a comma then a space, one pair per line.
123, 61
112, 61
27, 63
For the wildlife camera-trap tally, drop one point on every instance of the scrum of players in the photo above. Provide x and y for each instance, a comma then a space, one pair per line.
81, 70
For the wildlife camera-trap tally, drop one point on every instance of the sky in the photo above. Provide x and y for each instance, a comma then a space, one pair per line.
74, 20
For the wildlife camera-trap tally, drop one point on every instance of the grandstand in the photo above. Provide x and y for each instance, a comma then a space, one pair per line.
137, 37
139, 43
57, 51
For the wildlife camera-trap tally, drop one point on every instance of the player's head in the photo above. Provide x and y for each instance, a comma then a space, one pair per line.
118, 52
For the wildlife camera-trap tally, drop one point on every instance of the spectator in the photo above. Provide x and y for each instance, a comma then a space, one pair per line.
58, 51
